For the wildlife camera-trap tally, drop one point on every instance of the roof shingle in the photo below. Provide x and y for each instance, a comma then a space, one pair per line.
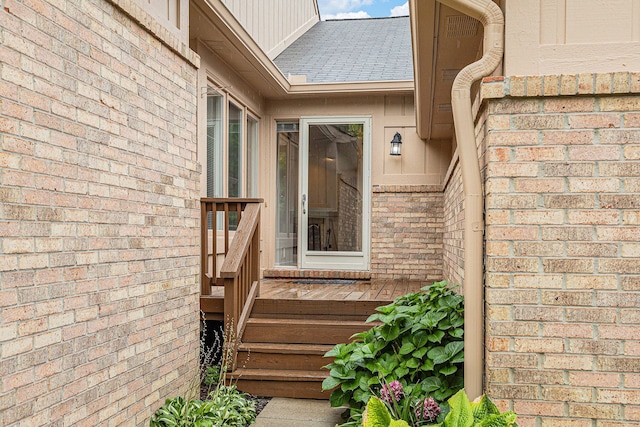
351, 51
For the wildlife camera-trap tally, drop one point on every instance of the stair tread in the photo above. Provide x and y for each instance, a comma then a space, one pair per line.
267, 320
320, 349
279, 374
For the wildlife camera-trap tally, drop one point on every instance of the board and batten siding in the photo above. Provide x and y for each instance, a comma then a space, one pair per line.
546, 37
171, 14
274, 24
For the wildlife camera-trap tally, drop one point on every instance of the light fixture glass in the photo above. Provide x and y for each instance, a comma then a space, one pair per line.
396, 144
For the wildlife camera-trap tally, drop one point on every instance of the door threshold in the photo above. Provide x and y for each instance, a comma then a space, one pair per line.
283, 273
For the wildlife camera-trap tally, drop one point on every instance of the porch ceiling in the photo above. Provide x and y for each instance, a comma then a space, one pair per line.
444, 41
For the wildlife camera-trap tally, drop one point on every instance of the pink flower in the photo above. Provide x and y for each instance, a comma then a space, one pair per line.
428, 410
391, 392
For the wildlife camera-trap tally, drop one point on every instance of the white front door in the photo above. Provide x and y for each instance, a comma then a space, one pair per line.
334, 197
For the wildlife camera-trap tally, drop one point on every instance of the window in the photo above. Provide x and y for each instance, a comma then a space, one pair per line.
252, 157
214, 145
232, 148
235, 151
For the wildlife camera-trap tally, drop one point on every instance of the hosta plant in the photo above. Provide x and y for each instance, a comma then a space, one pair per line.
377, 414
479, 413
225, 407
418, 342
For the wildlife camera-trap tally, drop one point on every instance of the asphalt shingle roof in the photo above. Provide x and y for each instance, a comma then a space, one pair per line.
351, 50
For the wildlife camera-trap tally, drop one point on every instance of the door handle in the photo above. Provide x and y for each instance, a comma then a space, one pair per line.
304, 203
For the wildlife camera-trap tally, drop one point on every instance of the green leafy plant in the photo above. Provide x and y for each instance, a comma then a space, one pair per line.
230, 407
416, 411
179, 412
418, 342
211, 375
224, 406
479, 413
377, 414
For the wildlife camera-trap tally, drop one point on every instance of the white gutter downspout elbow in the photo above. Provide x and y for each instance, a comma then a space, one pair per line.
490, 15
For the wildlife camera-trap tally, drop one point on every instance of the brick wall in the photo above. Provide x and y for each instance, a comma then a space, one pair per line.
453, 237
98, 216
562, 252
406, 232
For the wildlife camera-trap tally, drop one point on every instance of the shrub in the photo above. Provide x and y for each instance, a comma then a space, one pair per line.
418, 343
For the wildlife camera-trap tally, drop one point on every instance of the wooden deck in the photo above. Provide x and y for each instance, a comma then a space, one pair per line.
382, 291
332, 290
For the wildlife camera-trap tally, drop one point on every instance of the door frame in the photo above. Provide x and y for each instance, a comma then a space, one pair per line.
334, 260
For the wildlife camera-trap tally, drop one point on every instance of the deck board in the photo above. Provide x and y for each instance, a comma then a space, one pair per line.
384, 291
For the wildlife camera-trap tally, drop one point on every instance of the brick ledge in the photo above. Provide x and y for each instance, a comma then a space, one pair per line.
616, 83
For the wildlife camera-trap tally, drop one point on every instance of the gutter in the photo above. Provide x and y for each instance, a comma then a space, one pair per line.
490, 15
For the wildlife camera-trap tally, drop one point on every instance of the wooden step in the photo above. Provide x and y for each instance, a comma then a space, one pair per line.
296, 384
330, 310
283, 356
301, 331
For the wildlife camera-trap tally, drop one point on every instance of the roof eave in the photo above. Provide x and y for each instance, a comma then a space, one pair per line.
346, 88
276, 84
423, 51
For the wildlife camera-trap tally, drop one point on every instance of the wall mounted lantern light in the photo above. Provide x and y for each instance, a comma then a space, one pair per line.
396, 144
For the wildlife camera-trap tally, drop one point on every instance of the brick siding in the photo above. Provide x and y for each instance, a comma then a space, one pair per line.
98, 215
453, 239
562, 252
406, 232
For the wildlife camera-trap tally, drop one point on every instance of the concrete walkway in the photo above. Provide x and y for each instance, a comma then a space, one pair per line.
285, 412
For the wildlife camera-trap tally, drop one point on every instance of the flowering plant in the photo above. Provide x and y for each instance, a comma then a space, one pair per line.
415, 411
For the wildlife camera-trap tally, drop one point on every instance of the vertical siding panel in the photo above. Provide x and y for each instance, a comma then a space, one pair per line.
269, 22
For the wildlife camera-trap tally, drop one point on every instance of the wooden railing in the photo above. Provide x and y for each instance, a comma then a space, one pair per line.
240, 270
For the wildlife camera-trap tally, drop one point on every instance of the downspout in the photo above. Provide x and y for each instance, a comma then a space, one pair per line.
490, 15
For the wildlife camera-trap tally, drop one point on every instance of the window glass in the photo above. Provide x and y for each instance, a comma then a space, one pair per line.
214, 144
252, 157
235, 151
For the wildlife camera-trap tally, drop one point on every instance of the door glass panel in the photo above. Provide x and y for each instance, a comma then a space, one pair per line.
335, 187
287, 194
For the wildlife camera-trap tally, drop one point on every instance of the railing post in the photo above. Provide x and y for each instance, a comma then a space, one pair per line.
205, 284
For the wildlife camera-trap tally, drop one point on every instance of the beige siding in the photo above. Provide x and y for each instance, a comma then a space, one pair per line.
274, 24
172, 14
571, 36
